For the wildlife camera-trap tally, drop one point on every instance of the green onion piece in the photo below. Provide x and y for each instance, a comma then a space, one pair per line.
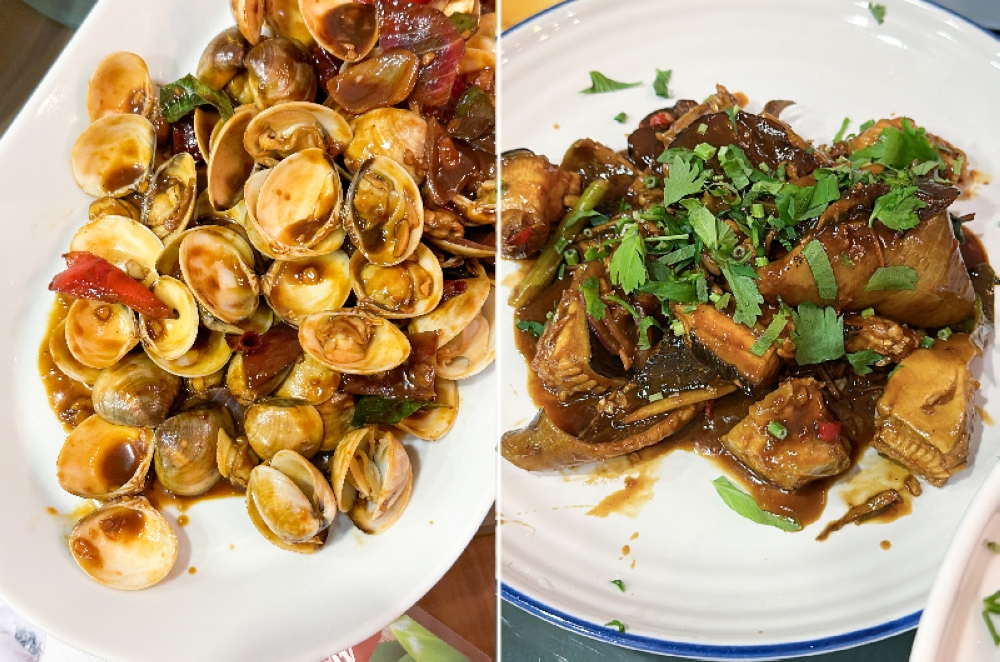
867, 312
572, 256
621, 117
653, 397
927, 342
944, 333
989, 626
777, 430
650, 181
547, 264
993, 547
843, 128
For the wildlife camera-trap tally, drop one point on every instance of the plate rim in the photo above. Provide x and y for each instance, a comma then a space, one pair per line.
602, 633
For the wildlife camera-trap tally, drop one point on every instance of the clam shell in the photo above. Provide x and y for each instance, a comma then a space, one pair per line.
172, 337
384, 212
295, 289
135, 391
235, 459
372, 477
100, 460
347, 29
114, 155
337, 413
249, 17
285, 18
229, 164
285, 129
187, 447
209, 353
276, 424
408, 289
65, 360
279, 72
99, 334
471, 351
170, 200
120, 85
432, 424
125, 243
393, 132
311, 381
290, 502
450, 317
221, 60
125, 545
353, 341
108, 206
216, 270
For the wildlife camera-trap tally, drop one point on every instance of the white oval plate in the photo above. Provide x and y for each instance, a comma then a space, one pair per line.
249, 600
705, 582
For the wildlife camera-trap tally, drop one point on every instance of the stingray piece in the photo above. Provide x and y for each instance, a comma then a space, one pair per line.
533, 191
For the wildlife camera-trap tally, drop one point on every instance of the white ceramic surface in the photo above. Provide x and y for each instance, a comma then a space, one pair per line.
700, 580
249, 600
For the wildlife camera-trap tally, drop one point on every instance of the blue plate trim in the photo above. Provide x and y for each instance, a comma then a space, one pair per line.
707, 651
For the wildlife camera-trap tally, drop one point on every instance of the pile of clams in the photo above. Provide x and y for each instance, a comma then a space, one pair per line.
280, 280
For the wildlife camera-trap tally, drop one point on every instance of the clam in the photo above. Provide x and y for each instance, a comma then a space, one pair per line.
408, 289
235, 459
99, 334
297, 206
222, 58
186, 448
347, 29
201, 384
295, 289
170, 200
353, 341
278, 71
467, 247
108, 206
127, 244
453, 315
239, 89
472, 349
311, 381
125, 544
209, 354
283, 130
120, 85
113, 155
100, 460
64, 359
135, 391
172, 337
381, 81
393, 132
432, 424
216, 269
384, 212
276, 424
337, 413
372, 478
249, 17
229, 164
285, 18
291, 503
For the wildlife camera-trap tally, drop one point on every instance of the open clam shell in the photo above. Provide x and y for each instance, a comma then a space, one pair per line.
298, 204
285, 18
229, 164
370, 473
170, 200
276, 424
408, 289
295, 289
113, 155
125, 544
432, 424
337, 413
99, 334
249, 16
64, 359
209, 353
100, 460
311, 381
347, 29
214, 263
127, 244
472, 350
135, 391
393, 132
108, 206
384, 212
235, 459
120, 85
290, 502
287, 128
171, 337
353, 341
449, 318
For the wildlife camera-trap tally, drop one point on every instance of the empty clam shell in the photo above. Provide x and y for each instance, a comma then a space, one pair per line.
135, 391
113, 155
384, 212
209, 354
295, 289
125, 544
450, 317
353, 341
100, 460
120, 85
99, 334
127, 244
408, 289
229, 164
347, 29
171, 337
432, 424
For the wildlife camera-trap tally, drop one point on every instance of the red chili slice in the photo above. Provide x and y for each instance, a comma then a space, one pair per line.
451, 289
828, 431
520, 238
89, 276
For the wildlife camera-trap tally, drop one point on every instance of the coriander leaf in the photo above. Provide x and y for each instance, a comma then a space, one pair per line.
822, 271
643, 329
704, 223
671, 290
744, 505
770, 334
616, 624
599, 84
843, 128
878, 11
628, 264
736, 165
679, 255
621, 117
371, 409
660, 84
181, 97
619, 583
898, 148
534, 328
892, 278
897, 208
863, 360
818, 334
463, 22
592, 298
682, 180
748, 299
